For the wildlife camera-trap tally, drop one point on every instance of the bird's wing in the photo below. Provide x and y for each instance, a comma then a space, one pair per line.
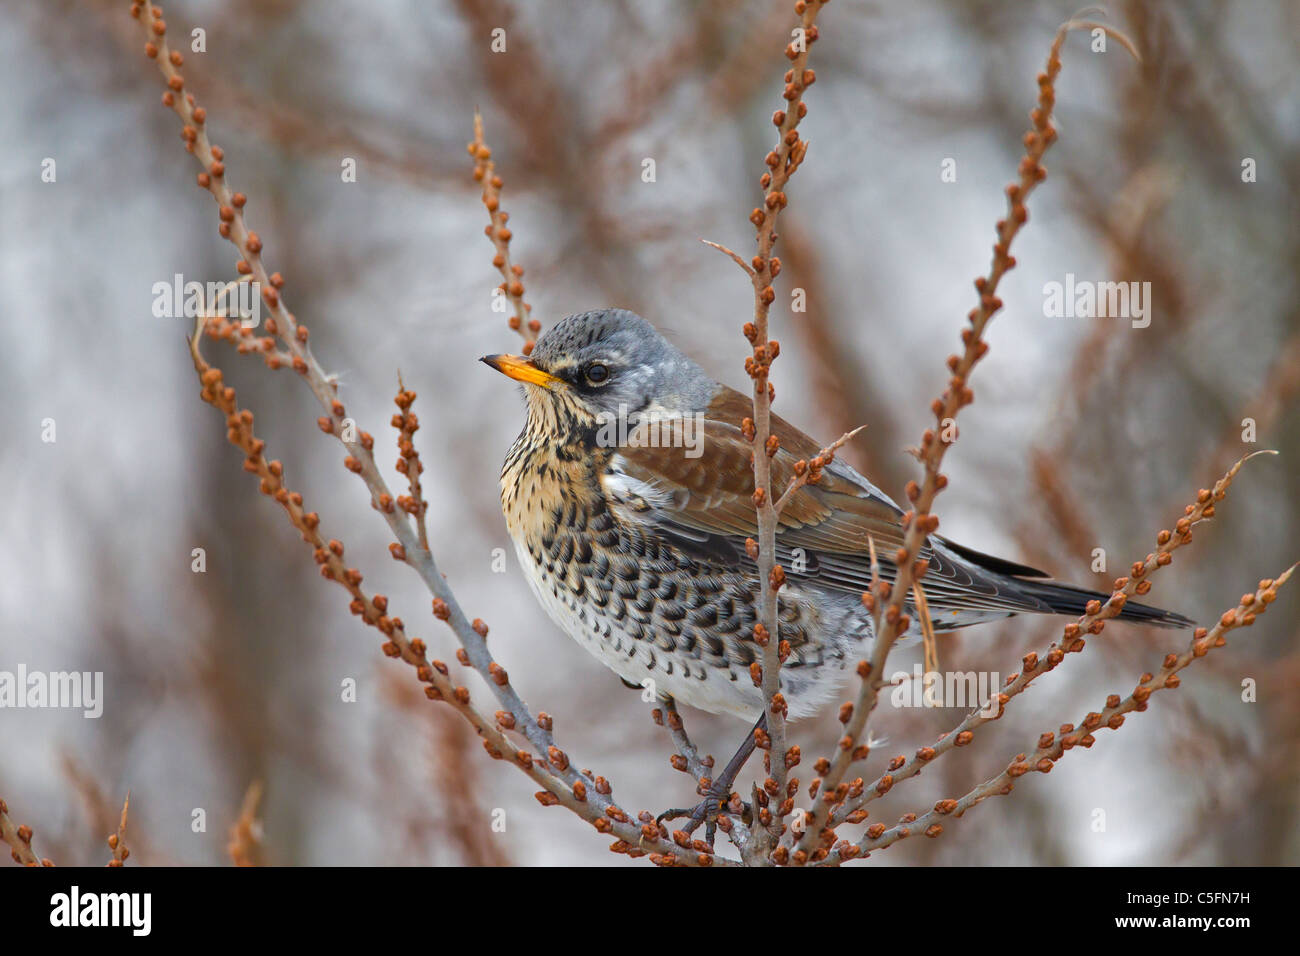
704, 505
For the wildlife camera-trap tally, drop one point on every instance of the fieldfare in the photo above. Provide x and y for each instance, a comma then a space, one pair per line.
629, 498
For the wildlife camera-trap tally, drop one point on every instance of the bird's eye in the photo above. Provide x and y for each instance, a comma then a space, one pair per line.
597, 373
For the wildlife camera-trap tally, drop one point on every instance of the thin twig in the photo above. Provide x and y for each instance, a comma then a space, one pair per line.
809, 471
1033, 666
553, 772
782, 162
512, 276
245, 846
408, 462
931, 650
890, 618
590, 797
19, 839
117, 841
1052, 747
732, 255
687, 759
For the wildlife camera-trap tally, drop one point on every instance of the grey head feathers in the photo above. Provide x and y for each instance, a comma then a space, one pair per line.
619, 364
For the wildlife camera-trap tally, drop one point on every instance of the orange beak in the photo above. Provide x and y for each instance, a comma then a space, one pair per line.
521, 370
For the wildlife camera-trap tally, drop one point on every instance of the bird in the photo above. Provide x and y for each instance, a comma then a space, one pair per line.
629, 498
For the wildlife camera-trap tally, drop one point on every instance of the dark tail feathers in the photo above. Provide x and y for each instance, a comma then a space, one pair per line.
1068, 599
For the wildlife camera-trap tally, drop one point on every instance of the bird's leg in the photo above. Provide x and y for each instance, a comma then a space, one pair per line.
719, 790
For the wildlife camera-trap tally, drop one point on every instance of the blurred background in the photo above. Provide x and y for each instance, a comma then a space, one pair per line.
1086, 432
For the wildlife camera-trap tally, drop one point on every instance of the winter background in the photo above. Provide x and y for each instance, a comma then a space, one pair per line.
1086, 433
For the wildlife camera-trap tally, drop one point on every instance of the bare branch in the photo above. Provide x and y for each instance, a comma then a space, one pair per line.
245, 846
117, 841
588, 795
1033, 666
512, 276
1052, 747
782, 162
734, 256
891, 619
408, 462
810, 472
19, 840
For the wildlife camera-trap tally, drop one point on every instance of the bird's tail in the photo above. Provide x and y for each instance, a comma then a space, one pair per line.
1068, 599
1035, 591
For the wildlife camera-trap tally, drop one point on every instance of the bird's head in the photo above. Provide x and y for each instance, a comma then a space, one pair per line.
595, 366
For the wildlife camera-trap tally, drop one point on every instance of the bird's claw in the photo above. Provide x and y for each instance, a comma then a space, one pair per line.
707, 811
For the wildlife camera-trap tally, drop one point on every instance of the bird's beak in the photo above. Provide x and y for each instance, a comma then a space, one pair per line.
521, 370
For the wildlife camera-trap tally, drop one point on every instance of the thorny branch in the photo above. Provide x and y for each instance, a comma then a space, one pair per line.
887, 604
687, 759
1052, 747
245, 846
117, 841
764, 268
512, 276
408, 462
19, 840
1032, 666
587, 795
809, 472
1138, 582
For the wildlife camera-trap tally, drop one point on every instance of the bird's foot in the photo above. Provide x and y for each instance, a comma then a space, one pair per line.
718, 800
718, 796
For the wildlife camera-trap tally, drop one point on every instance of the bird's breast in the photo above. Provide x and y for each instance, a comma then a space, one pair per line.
643, 607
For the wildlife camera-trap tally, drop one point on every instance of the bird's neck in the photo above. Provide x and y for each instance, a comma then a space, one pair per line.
551, 472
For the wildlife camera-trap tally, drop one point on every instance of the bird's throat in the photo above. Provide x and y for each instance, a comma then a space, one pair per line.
551, 475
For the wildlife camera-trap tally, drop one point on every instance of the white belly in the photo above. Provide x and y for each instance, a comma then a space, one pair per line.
691, 681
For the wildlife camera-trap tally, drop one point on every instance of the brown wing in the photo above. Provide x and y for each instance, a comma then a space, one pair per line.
713, 493
705, 506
